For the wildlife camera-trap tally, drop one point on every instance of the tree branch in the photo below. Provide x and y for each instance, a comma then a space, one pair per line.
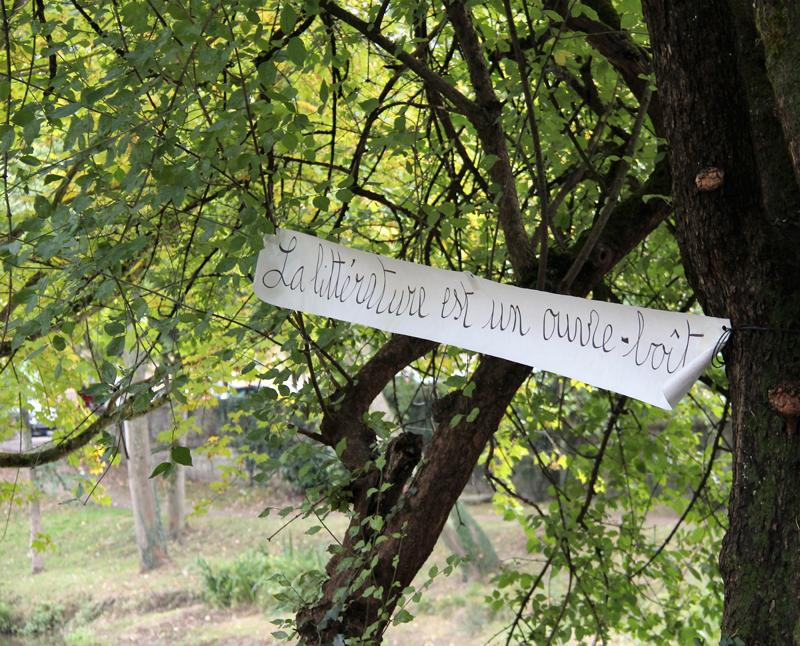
461, 102
611, 199
126, 411
344, 418
616, 46
492, 137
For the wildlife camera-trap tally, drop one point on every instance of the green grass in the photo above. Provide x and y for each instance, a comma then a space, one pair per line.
92, 574
92, 569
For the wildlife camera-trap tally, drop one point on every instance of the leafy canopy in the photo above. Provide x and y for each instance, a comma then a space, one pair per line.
147, 147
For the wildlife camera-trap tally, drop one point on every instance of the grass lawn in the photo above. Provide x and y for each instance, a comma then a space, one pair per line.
91, 590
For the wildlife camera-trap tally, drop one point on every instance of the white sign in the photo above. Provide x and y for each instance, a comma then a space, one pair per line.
651, 355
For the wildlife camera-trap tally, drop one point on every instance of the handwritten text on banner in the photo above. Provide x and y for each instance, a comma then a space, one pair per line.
651, 355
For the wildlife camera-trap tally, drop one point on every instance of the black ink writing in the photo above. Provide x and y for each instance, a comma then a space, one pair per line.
575, 329
336, 279
654, 355
455, 304
275, 277
506, 317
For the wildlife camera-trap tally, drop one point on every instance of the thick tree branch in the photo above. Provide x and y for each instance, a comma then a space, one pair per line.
616, 46
79, 438
492, 137
345, 418
631, 222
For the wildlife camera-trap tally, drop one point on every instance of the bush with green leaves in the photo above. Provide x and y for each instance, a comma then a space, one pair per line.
7, 619
45, 618
281, 580
263, 433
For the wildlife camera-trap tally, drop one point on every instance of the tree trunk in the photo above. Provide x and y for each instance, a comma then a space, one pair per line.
412, 527
740, 245
147, 523
778, 24
161, 419
37, 562
176, 500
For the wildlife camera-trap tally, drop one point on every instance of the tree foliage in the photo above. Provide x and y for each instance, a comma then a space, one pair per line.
148, 146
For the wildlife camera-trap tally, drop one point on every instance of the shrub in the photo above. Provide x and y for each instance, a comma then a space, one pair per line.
283, 580
45, 618
7, 622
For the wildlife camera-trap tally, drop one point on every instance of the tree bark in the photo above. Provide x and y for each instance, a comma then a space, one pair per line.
411, 531
146, 520
37, 560
176, 500
160, 420
778, 23
739, 245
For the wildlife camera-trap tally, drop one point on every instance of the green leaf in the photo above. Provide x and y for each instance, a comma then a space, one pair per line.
296, 51
30, 160
65, 110
163, 469
108, 373
181, 455
114, 328
288, 18
402, 616
369, 104
560, 57
24, 115
49, 179
116, 346
58, 343
25, 296
6, 137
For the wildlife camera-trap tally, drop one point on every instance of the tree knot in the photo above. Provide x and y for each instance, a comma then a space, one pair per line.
709, 179
785, 400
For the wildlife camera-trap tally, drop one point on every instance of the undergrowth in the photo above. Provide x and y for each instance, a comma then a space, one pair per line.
282, 580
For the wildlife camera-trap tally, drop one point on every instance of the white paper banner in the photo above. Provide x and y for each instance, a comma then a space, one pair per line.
651, 355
